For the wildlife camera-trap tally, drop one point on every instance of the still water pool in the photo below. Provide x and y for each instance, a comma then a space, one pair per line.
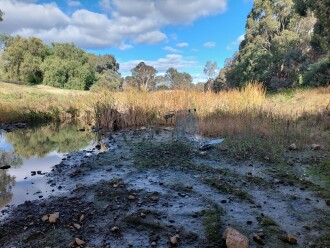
31, 153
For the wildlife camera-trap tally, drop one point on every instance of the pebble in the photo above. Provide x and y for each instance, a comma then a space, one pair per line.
44, 218
115, 229
77, 226
53, 217
82, 217
79, 241
174, 240
131, 197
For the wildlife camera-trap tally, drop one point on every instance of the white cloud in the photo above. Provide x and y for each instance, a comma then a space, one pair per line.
105, 5
161, 64
236, 43
72, 3
151, 37
183, 44
128, 20
209, 44
171, 49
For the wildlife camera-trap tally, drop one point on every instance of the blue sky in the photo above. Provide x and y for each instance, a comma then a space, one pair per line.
164, 33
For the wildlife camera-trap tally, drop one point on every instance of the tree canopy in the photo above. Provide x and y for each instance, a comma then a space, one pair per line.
284, 44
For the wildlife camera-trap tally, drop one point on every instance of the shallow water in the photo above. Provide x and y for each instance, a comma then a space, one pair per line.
31, 153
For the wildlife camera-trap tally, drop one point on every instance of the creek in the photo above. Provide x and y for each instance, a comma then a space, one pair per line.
31, 153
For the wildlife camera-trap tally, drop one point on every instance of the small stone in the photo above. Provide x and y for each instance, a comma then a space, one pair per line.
154, 198
174, 240
82, 218
258, 239
277, 180
153, 244
79, 241
202, 153
292, 239
315, 147
77, 226
142, 215
44, 218
53, 217
115, 229
293, 147
288, 239
131, 197
235, 239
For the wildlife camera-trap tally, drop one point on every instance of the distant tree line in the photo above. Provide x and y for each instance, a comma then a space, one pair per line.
63, 65
286, 44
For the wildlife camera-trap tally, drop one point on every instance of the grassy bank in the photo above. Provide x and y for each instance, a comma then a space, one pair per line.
267, 122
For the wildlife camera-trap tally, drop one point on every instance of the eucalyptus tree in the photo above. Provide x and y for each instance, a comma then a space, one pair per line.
144, 76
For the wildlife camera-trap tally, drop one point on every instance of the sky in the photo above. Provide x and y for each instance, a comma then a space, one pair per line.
183, 34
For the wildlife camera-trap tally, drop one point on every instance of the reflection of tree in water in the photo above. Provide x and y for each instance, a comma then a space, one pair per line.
6, 182
42, 140
10, 158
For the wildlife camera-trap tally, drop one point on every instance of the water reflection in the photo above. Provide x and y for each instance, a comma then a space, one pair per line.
39, 141
35, 149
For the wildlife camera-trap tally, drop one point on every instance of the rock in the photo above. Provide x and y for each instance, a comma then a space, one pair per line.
44, 218
53, 217
143, 128
115, 229
292, 239
315, 147
174, 240
131, 197
258, 239
327, 202
82, 218
153, 244
142, 215
77, 226
154, 198
277, 180
202, 153
79, 241
81, 129
235, 239
293, 147
288, 239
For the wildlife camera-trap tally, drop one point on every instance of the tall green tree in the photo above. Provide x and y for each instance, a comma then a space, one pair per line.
1, 15
179, 80
67, 67
145, 76
22, 57
274, 49
106, 72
